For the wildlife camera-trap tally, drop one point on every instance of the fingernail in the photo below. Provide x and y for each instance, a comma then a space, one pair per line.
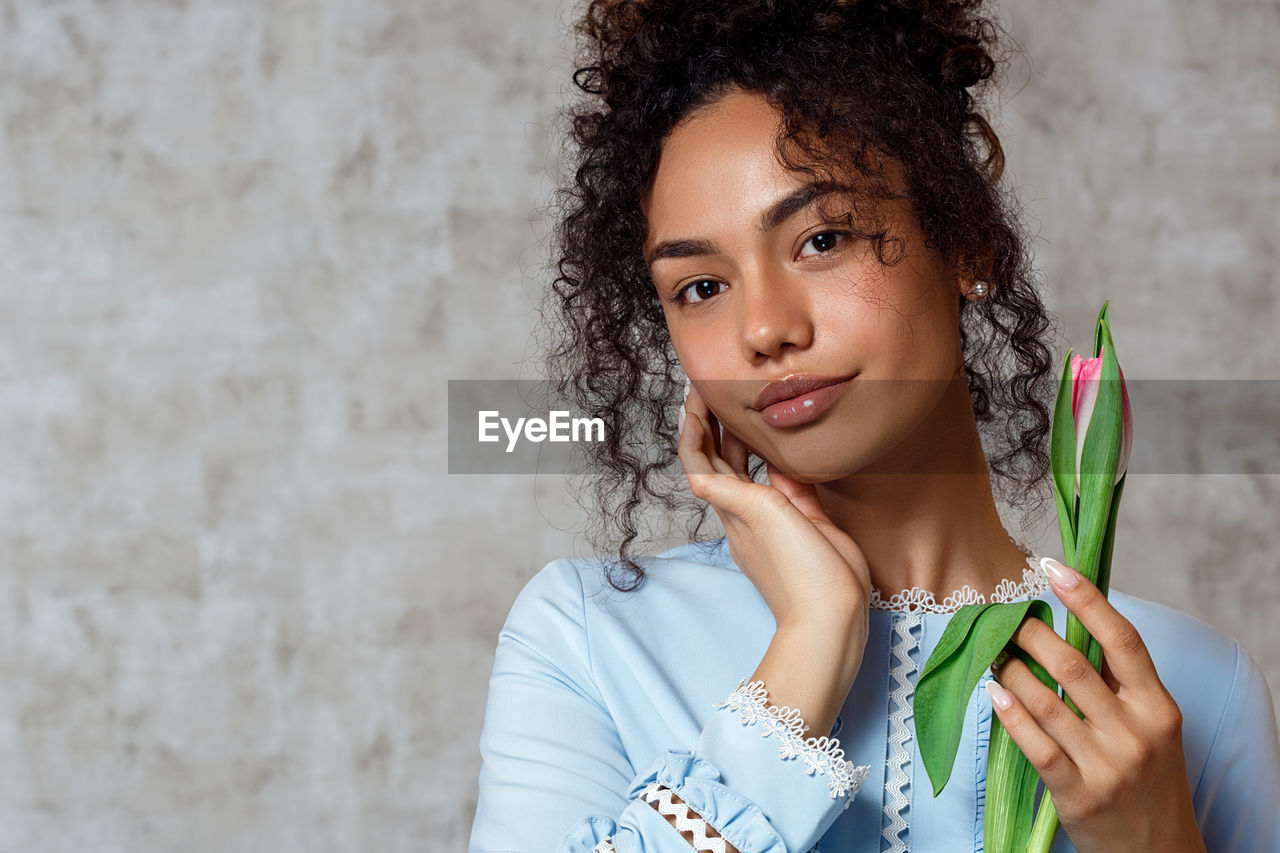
999, 696
1060, 574
680, 421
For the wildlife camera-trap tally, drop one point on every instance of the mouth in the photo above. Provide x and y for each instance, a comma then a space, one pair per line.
800, 400
794, 387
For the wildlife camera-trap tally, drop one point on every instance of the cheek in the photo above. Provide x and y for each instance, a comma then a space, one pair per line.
706, 352
892, 340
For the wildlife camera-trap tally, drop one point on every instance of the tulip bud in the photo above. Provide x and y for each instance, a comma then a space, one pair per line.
1086, 379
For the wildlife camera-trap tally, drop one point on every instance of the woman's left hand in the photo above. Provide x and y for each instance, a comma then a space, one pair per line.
1118, 776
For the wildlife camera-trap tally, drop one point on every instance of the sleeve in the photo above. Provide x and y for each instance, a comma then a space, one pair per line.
555, 775
1238, 791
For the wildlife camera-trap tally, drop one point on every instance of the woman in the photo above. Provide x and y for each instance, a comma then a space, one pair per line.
798, 202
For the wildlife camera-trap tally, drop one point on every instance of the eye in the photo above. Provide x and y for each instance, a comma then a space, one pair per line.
824, 241
704, 289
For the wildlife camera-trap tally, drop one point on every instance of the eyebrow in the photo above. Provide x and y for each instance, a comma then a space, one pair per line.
777, 213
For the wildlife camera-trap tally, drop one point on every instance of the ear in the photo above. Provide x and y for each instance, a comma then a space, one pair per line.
973, 278
964, 283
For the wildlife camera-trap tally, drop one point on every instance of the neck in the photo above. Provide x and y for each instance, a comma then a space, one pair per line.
925, 516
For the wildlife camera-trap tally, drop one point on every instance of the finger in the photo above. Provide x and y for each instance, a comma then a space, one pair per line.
803, 495
721, 488
717, 432
711, 446
1127, 654
694, 405
694, 449
1109, 676
736, 453
714, 445
1059, 772
1069, 667
713, 424
1046, 708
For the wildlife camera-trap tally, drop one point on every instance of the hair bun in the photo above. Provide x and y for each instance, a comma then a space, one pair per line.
948, 41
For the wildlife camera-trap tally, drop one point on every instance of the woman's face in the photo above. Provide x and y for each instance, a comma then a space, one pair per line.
754, 293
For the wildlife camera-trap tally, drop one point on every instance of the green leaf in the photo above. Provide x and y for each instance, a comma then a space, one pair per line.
1062, 456
955, 634
1100, 459
1006, 817
1108, 541
1097, 328
971, 641
1077, 636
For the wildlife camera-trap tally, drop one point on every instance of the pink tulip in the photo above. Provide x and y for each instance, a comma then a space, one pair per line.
1086, 374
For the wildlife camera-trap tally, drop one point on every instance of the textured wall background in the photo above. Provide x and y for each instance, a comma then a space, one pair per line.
243, 245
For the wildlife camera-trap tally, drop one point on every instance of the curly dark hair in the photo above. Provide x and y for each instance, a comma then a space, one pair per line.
854, 80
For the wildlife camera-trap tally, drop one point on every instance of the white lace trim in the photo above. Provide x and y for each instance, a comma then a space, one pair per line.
897, 778
664, 800
821, 755
917, 600
605, 846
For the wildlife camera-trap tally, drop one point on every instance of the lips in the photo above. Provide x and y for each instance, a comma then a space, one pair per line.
793, 386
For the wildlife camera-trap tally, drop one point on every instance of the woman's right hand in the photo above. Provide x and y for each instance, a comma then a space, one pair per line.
801, 562
811, 574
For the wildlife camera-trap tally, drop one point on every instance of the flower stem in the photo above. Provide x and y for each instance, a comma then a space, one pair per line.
1046, 826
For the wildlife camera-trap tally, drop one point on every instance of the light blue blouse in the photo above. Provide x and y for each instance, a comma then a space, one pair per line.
595, 694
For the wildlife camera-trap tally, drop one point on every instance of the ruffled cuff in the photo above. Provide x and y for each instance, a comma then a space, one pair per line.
753, 778
801, 784
706, 803
698, 782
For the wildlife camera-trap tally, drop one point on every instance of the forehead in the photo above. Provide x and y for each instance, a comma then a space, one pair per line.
721, 160
739, 122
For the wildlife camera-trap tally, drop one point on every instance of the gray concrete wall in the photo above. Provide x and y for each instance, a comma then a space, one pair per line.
243, 245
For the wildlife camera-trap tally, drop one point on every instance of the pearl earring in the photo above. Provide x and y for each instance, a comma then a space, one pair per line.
980, 289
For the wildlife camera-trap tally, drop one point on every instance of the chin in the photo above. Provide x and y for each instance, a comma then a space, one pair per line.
815, 467
820, 455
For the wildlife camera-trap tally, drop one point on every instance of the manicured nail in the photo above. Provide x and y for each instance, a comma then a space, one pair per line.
1000, 697
1060, 574
680, 421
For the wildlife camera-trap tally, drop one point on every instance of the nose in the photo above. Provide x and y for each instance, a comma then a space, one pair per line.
775, 313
